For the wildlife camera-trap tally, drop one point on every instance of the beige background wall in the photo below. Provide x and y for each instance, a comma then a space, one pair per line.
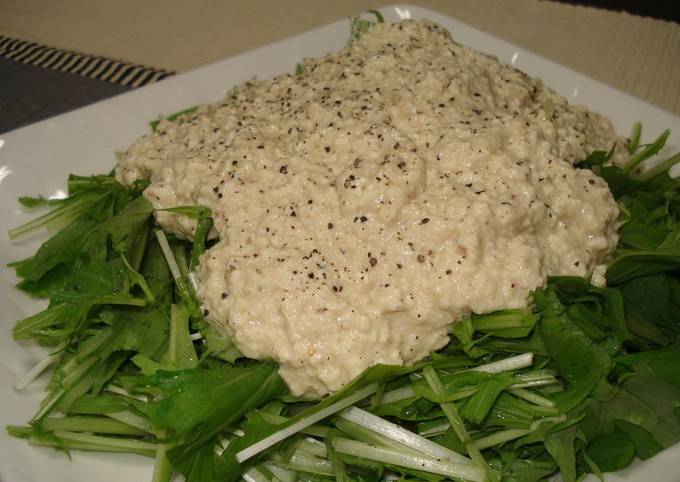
635, 54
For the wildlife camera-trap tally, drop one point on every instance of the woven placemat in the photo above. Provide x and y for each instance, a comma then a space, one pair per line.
93, 66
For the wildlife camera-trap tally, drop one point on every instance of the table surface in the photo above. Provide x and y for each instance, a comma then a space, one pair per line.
638, 55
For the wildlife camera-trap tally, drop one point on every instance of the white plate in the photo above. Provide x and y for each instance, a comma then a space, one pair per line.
36, 160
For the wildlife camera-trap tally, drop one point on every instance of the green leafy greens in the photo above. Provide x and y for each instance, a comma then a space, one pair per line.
584, 380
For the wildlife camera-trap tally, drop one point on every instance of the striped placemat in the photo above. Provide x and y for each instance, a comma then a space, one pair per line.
92, 66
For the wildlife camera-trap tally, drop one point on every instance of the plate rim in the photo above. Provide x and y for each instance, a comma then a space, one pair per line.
420, 12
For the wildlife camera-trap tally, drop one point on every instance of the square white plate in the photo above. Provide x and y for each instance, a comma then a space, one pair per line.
37, 159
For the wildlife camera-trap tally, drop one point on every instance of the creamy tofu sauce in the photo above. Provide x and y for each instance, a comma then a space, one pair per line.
386, 192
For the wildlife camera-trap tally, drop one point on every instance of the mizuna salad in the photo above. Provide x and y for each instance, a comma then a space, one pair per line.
559, 375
